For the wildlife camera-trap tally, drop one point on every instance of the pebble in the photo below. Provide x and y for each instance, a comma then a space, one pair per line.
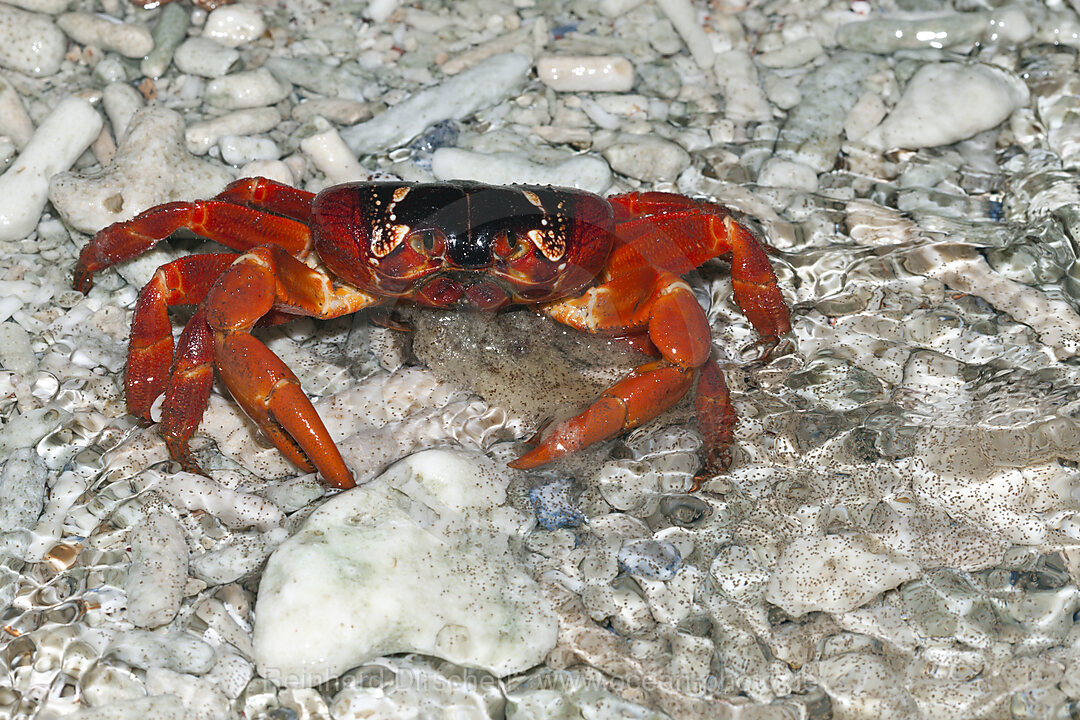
947, 102
16, 351
333, 158
169, 31
246, 89
131, 40
205, 57
155, 582
239, 150
811, 135
864, 115
490, 82
744, 100
834, 573
195, 493
15, 122
886, 35
585, 172
430, 532
336, 110
241, 556
177, 651
234, 25
30, 43
777, 172
647, 157
120, 101
554, 506
22, 489
586, 73
54, 147
683, 16
275, 170
48, 7
160, 707
203, 135
793, 54
656, 560
151, 167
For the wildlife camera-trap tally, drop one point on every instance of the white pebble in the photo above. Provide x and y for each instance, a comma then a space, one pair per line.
330, 155
744, 100
201, 136
777, 172
346, 587
275, 170
647, 157
15, 122
29, 42
683, 15
248, 89
834, 573
236, 510
16, 352
864, 115
63, 136
586, 73
120, 101
177, 651
337, 110
159, 707
380, 10
946, 102
239, 150
234, 25
585, 172
155, 582
49, 7
129, 39
151, 167
22, 487
205, 57
481, 86
793, 54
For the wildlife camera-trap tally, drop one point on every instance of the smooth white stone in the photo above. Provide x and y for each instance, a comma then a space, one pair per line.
744, 100
793, 54
151, 167
205, 57
129, 39
155, 583
49, 7
585, 172
159, 707
16, 350
834, 573
586, 73
330, 154
683, 15
247, 89
947, 102
234, 25
865, 114
239, 150
417, 560
196, 493
486, 84
381, 10
275, 170
177, 651
647, 157
202, 136
777, 172
54, 147
15, 122
30, 43
120, 101
22, 489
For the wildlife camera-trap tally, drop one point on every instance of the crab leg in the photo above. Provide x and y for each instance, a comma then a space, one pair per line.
678, 329
262, 280
150, 352
263, 194
232, 225
677, 234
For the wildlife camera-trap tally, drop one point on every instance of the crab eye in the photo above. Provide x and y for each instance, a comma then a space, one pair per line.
510, 247
424, 242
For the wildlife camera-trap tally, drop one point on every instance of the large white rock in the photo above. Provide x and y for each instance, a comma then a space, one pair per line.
415, 561
947, 102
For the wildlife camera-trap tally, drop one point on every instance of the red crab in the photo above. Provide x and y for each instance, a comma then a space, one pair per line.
601, 265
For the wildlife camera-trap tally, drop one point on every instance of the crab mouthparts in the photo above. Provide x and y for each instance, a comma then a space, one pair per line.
462, 291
